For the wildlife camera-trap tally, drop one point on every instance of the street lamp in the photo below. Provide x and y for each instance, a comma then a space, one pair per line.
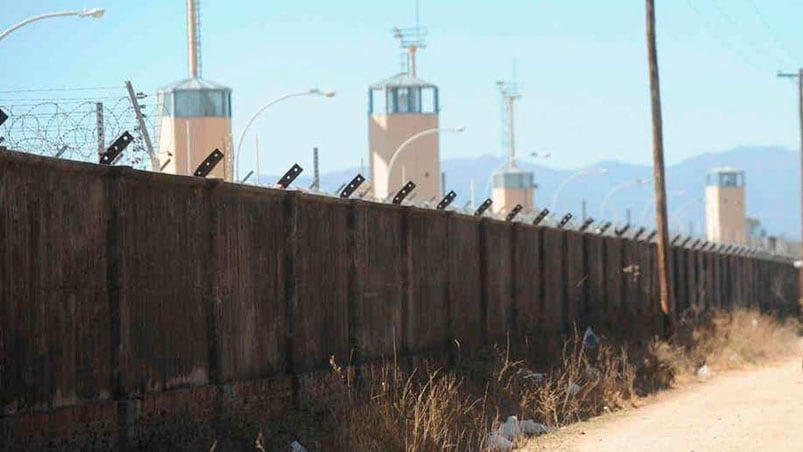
412, 138
610, 193
310, 92
683, 207
578, 174
94, 13
645, 211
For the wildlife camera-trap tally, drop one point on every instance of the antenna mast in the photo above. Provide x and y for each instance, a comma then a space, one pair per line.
411, 39
194, 37
510, 92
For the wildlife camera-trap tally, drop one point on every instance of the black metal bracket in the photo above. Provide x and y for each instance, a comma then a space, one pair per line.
114, 151
209, 164
652, 235
675, 239
3, 116
483, 207
685, 242
516, 209
564, 220
695, 243
290, 175
588, 222
408, 187
638, 233
352, 186
447, 200
604, 227
621, 232
541, 215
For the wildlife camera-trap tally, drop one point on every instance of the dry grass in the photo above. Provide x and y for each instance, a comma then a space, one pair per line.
455, 408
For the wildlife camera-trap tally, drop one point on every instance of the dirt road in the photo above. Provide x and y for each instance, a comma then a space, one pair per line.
756, 410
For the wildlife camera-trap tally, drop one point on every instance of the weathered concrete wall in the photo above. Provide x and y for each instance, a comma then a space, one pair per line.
143, 310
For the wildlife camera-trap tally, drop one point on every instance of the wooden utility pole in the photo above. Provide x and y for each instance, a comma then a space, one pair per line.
799, 76
658, 170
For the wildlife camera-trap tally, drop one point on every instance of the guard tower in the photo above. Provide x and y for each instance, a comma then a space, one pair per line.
403, 117
195, 115
725, 210
511, 185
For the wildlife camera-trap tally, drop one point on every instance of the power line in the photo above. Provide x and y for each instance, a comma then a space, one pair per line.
771, 31
723, 41
757, 47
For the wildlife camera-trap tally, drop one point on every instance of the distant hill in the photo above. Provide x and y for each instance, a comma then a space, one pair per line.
772, 174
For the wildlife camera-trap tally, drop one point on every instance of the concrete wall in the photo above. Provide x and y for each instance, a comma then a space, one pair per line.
141, 309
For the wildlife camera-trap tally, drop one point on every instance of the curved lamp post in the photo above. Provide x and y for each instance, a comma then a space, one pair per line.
645, 211
311, 92
412, 138
582, 173
94, 13
683, 207
616, 189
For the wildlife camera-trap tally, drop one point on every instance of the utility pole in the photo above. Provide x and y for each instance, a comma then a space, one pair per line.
658, 170
142, 128
99, 126
799, 77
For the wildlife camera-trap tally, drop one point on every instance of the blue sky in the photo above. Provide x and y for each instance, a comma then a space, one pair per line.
582, 64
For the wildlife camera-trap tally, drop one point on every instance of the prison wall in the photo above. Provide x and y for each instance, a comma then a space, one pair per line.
141, 309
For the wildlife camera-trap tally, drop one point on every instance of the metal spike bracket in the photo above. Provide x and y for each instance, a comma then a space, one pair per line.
638, 233
483, 207
516, 209
352, 186
675, 239
117, 148
621, 232
447, 200
540, 217
589, 221
685, 242
652, 235
209, 164
3, 116
290, 175
408, 187
564, 220
604, 227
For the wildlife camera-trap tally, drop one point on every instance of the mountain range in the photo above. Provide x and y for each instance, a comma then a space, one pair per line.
772, 185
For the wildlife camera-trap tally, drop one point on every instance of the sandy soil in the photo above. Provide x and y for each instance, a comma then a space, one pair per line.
755, 410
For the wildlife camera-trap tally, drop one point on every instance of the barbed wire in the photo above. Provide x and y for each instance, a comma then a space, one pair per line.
65, 125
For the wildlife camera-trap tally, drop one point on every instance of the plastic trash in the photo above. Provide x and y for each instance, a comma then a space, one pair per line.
530, 428
704, 372
590, 340
295, 446
510, 429
497, 442
537, 378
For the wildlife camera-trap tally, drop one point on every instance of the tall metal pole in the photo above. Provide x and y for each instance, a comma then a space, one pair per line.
99, 126
257, 159
143, 129
658, 168
316, 180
